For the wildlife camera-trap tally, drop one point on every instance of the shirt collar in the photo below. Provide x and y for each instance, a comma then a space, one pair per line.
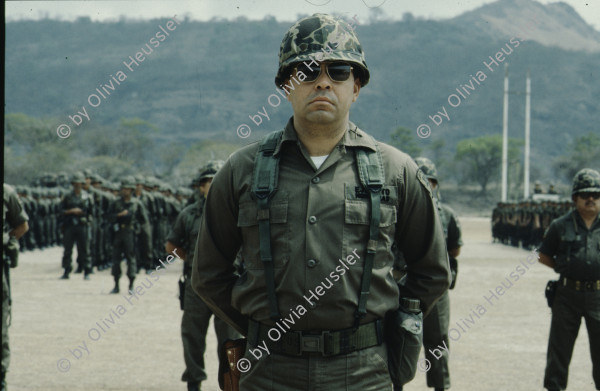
354, 137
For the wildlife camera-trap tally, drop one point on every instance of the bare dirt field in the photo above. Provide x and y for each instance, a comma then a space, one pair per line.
73, 335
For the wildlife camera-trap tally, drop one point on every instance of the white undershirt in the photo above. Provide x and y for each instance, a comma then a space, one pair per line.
318, 160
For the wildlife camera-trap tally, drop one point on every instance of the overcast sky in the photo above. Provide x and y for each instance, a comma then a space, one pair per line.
257, 9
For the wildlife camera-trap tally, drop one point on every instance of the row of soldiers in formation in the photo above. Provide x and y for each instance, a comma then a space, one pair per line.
524, 223
44, 202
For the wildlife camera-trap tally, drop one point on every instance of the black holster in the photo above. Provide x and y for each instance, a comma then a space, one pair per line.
551, 287
181, 283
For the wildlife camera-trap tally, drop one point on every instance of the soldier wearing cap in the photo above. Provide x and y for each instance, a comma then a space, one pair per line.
537, 189
435, 326
196, 314
126, 214
297, 206
76, 214
571, 246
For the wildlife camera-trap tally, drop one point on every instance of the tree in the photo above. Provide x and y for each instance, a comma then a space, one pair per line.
404, 139
481, 158
583, 152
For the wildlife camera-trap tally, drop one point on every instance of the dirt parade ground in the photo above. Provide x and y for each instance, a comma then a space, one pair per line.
73, 335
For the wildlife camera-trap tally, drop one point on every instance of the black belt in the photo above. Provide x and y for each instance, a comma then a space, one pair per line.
328, 343
582, 286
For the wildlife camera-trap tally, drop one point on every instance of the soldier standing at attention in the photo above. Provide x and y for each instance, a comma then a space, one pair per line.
14, 226
196, 314
77, 211
127, 214
301, 203
435, 326
571, 247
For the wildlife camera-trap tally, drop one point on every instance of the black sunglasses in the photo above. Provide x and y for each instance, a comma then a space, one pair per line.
337, 71
586, 195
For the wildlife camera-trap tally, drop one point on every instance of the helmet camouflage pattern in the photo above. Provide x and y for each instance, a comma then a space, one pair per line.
427, 167
210, 170
321, 37
128, 183
585, 181
78, 177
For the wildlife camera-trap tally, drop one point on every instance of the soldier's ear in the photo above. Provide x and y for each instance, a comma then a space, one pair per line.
356, 89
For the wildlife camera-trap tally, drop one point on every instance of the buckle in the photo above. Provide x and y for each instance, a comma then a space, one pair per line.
313, 343
589, 286
577, 285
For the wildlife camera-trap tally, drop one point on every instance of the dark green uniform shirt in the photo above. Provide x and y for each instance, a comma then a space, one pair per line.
184, 233
575, 248
319, 218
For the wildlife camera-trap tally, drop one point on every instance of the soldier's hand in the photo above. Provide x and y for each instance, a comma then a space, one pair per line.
123, 213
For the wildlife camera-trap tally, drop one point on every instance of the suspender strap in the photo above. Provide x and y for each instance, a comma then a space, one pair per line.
264, 186
370, 170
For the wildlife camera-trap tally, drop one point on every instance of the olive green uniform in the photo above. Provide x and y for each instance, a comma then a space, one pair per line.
577, 258
124, 229
319, 217
435, 325
13, 215
76, 231
196, 314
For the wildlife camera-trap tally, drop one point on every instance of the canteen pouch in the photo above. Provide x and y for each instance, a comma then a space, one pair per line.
404, 338
229, 374
551, 291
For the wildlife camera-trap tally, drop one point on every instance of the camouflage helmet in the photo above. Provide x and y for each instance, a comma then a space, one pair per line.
128, 183
321, 37
427, 167
210, 170
78, 177
586, 181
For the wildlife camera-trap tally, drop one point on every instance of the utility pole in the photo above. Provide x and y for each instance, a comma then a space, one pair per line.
505, 136
527, 133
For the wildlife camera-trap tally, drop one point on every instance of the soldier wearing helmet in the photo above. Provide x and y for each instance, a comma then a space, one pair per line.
127, 215
571, 246
296, 206
196, 314
435, 326
76, 215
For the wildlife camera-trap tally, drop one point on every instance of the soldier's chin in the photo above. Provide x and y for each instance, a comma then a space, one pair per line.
321, 116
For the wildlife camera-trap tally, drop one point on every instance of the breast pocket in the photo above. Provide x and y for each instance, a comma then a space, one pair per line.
280, 234
357, 220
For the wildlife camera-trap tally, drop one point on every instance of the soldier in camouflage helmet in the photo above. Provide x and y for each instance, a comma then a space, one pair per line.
571, 246
76, 215
127, 214
435, 326
318, 217
196, 314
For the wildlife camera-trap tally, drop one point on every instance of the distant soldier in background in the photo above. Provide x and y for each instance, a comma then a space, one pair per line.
196, 314
551, 189
76, 212
435, 325
102, 202
144, 237
14, 226
571, 247
537, 189
127, 214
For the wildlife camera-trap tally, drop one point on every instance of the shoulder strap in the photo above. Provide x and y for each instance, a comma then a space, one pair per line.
371, 173
264, 186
